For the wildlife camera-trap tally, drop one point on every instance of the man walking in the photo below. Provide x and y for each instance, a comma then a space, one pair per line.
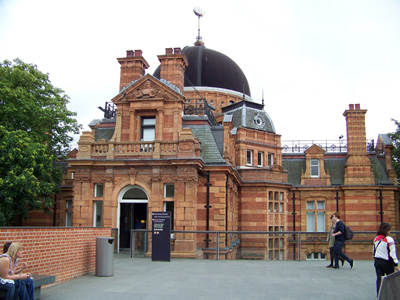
340, 237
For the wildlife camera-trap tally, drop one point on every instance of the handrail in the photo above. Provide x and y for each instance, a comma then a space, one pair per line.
297, 236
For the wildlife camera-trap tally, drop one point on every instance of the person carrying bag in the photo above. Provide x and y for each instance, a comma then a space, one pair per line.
385, 257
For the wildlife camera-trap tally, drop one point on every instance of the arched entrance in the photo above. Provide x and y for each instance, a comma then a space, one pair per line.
132, 211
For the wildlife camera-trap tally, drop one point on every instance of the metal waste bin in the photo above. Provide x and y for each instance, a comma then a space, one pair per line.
104, 256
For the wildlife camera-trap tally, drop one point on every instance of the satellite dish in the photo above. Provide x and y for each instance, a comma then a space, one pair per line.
198, 12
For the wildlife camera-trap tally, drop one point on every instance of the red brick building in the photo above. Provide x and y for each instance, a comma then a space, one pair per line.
190, 139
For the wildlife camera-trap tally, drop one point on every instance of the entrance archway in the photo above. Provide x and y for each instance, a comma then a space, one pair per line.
132, 212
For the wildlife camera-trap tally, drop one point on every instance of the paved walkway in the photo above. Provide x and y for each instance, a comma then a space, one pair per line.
140, 278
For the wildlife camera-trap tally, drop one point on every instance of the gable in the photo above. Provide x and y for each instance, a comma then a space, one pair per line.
148, 88
314, 149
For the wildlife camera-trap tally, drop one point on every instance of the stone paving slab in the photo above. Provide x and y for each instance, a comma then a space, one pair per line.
141, 278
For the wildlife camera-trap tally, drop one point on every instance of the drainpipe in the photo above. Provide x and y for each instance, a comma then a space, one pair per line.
207, 206
54, 210
294, 225
337, 200
226, 214
380, 204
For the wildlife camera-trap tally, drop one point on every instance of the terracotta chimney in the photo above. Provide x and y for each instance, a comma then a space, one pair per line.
133, 67
173, 65
358, 166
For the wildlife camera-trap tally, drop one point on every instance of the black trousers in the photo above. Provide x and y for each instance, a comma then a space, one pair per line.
382, 267
331, 251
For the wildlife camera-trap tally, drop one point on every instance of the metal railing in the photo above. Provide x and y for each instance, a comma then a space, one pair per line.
330, 146
258, 245
199, 107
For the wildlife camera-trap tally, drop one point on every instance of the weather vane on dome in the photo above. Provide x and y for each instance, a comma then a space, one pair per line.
199, 13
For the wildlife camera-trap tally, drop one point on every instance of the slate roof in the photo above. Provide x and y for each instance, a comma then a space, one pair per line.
386, 139
249, 114
210, 152
336, 167
103, 134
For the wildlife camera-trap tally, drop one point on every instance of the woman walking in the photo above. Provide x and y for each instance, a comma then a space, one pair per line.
386, 261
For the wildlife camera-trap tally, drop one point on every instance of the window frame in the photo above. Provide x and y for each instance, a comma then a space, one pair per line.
145, 127
260, 158
68, 213
249, 154
270, 159
314, 167
316, 212
97, 207
97, 189
165, 190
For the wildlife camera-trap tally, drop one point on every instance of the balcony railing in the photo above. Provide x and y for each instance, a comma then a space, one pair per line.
330, 146
116, 149
200, 107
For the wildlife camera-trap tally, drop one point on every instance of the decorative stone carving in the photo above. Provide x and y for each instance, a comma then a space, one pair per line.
146, 91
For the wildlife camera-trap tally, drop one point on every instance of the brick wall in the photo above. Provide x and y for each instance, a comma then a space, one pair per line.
64, 252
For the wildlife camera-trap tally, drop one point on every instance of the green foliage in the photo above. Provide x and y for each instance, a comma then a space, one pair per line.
34, 125
395, 137
27, 177
29, 102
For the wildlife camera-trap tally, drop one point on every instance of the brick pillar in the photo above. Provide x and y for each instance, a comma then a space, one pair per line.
173, 65
133, 67
358, 166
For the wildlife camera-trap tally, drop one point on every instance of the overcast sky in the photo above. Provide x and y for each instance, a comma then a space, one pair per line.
311, 58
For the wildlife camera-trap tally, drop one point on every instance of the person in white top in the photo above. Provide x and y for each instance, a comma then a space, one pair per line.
386, 261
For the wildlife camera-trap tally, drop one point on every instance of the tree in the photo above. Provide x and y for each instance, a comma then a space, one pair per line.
395, 137
27, 176
29, 102
34, 126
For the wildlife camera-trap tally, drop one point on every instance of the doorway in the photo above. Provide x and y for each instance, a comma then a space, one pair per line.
133, 216
132, 212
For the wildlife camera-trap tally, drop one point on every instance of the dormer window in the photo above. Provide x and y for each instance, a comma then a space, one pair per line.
314, 167
258, 121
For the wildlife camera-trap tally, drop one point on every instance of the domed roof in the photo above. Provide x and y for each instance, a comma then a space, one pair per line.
211, 68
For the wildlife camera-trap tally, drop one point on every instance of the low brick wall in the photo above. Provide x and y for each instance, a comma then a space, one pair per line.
66, 252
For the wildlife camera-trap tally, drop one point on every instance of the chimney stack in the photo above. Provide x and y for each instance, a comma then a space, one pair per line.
173, 65
133, 67
358, 166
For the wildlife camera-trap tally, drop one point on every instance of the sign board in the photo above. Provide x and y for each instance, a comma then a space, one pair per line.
161, 236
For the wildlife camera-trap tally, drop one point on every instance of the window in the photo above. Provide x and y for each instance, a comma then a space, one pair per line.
169, 190
315, 216
169, 206
250, 157
68, 213
98, 190
97, 213
270, 159
316, 256
314, 167
148, 129
260, 158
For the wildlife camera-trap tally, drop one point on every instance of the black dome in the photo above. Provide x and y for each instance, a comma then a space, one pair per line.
211, 68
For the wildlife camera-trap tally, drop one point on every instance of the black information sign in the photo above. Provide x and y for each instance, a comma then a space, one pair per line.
161, 237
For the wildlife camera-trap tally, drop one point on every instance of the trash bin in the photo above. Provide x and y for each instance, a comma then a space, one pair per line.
104, 256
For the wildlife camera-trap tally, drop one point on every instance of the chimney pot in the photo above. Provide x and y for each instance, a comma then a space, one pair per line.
168, 51
177, 50
351, 106
138, 52
358, 107
129, 53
